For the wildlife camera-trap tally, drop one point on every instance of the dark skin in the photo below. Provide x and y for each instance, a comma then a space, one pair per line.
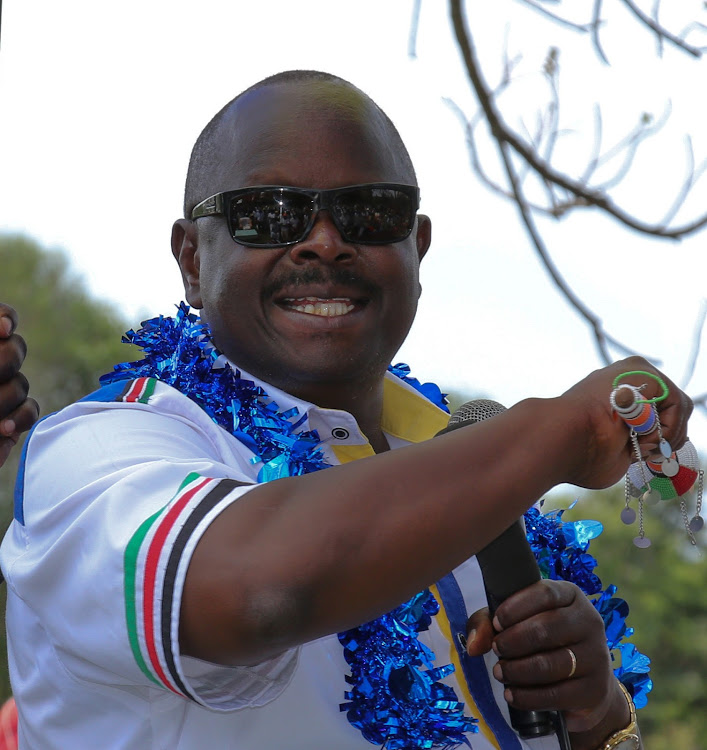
18, 412
299, 558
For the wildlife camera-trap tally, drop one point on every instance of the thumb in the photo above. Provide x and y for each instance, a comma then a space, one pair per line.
479, 633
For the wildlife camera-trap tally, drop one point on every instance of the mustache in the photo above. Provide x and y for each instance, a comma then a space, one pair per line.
334, 277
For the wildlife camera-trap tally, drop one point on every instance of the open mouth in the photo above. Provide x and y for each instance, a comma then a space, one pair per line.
326, 308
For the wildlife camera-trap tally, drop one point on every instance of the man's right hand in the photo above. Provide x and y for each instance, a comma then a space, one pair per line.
17, 412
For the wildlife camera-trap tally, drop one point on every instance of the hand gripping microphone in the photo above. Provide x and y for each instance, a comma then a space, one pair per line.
508, 565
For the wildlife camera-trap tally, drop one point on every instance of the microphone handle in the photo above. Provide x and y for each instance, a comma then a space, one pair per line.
508, 565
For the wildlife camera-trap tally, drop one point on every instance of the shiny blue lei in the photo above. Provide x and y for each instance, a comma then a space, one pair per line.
396, 698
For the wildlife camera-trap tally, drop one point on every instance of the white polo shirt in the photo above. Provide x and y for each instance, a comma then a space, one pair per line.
112, 497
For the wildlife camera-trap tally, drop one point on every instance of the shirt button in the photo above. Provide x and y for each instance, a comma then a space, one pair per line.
340, 433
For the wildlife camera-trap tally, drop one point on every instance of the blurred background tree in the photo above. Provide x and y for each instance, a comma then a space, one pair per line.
664, 587
72, 339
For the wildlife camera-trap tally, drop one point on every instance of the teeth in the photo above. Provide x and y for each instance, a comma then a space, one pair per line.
326, 308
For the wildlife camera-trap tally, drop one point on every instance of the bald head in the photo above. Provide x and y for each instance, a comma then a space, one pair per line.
290, 102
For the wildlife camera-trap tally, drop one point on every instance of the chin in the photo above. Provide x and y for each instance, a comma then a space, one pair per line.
329, 371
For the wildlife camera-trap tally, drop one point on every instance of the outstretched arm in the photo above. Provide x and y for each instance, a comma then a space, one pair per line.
302, 557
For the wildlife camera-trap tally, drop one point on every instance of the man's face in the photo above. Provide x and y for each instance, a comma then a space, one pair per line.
323, 311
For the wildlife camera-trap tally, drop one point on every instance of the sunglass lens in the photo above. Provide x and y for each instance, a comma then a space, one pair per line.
374, 215
269, 217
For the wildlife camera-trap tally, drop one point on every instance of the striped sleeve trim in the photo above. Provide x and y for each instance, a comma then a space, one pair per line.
153, 558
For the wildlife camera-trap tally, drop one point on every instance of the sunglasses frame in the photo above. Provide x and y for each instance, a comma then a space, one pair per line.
218, 205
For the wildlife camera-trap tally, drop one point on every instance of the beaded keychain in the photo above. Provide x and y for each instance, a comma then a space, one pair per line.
664, 475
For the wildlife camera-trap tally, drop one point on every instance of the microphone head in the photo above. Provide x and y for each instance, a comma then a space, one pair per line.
476, 411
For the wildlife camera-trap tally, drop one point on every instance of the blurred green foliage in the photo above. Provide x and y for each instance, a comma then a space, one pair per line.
73, 338
665, 588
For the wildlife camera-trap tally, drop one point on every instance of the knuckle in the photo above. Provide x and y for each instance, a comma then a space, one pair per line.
558, 593
12, 354
20, 386
13, 394
538, 632
20, 343
26, 415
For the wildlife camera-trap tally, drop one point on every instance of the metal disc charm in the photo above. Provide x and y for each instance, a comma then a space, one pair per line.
670, 467
628, 515
696, 524
642, 542
651, 497
665, 448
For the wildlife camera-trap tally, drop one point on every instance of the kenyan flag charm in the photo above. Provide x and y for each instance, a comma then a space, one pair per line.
666, 475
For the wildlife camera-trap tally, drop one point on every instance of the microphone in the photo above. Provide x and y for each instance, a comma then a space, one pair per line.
507, 566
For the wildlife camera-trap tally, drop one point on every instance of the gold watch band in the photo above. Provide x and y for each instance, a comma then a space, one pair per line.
627, 738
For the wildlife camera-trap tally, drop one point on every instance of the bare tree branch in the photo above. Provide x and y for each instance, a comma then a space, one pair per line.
661, 32
659, 38
628, 146
584, 195
594, 26
692, 176
691, 27
531, 155
581, 27
503, 142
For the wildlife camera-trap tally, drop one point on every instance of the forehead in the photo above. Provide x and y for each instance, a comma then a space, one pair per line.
309, 134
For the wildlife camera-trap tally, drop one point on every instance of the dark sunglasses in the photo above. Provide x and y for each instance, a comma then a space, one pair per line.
377, 213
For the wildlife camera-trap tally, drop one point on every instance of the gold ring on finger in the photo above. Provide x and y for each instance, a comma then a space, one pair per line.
574, 662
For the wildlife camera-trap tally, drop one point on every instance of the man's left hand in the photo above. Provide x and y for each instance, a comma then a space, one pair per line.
535, 634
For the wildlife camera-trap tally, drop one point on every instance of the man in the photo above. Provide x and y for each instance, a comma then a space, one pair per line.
176, 583
18, 412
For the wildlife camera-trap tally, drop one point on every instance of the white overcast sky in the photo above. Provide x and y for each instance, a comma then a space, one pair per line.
100, 104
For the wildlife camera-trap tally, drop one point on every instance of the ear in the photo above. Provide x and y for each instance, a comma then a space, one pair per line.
423, 235
185, 248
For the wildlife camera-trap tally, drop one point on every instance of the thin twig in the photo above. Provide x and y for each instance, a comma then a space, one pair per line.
689, 28
628, 148
662, 32
581, 27
696, 340
687, 184
594, 162
414, 25
595, 26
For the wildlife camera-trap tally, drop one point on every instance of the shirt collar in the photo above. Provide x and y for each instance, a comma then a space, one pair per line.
408, 417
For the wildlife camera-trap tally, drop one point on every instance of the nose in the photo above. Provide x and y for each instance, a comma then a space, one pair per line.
323, 243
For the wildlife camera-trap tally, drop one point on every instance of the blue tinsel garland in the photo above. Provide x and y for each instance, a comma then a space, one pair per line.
561, 551
396, 698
